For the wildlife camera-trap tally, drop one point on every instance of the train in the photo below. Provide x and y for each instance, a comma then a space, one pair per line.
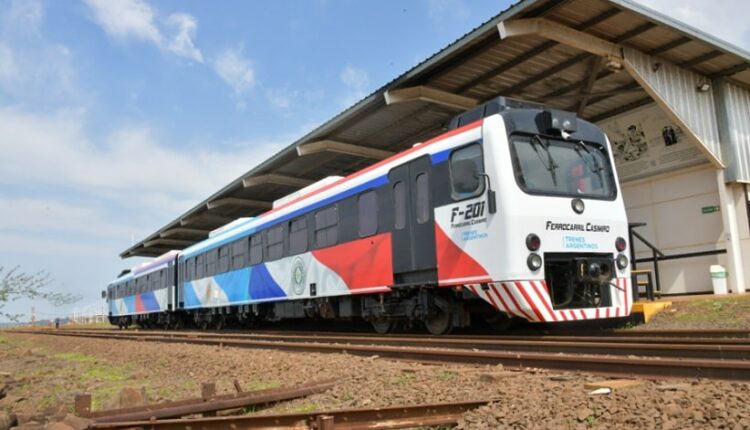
514, 212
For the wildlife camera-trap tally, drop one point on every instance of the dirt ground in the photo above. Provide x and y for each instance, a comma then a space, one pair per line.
717, 312
46, 372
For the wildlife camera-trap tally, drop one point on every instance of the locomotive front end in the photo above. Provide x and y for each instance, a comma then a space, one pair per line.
559, 251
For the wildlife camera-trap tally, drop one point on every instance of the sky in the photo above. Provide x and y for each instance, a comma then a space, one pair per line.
116, 116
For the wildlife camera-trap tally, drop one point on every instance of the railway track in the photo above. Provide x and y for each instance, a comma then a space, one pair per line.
618, 355
705, 348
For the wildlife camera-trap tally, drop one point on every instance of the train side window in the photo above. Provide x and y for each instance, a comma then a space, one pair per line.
256, 250
326, 227
275, 242
189, 269
423, 200
399, 205
298, 236
367, 208
223, 259
200, 266
212, 258
239, 250
466, 167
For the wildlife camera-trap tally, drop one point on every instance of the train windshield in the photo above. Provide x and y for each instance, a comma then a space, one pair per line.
562, 167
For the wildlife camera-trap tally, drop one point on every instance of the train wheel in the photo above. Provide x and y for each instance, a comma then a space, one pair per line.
440, 323
219, 322
383, 325
176, 324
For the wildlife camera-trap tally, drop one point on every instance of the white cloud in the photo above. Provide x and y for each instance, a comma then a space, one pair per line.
126, 19
185, 27
726, 22
55, 150
235, 70
8, 68
356, 82
32, 69
49, 216
280, 98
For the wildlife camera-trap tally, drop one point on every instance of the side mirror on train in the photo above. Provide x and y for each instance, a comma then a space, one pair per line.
104, 294
465, 176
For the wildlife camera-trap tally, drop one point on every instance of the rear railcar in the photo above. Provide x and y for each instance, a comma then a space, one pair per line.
144, 295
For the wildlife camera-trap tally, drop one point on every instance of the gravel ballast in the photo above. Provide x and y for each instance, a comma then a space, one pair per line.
41, 366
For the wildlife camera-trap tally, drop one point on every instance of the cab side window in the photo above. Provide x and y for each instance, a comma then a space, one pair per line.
467, 167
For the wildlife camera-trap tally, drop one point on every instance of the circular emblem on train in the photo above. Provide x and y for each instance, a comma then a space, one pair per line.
298, 276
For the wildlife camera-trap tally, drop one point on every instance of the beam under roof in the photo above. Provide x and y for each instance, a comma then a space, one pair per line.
534, 52
175, 242
430, 95
206, 218
238, 202
560, 33
183, 230
596, 65
343, 148
274, 178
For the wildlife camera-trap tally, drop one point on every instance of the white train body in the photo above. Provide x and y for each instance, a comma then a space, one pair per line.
516, 209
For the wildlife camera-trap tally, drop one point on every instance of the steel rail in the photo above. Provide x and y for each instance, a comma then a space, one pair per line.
573, 337
727, 336
653, 347
600, 364
342, 419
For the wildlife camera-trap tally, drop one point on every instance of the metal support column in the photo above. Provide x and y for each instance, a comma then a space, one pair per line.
727, 199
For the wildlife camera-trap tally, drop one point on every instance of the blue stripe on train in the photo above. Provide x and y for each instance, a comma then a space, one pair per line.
235, 285
188, 296
150, 304
240, 286
262, 284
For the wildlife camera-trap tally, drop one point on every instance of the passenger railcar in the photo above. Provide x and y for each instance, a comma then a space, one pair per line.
514, 212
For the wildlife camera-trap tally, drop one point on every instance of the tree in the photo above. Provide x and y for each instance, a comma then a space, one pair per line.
15, 284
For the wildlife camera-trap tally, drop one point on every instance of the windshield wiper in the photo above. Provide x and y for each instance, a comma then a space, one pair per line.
551, 165
597, 166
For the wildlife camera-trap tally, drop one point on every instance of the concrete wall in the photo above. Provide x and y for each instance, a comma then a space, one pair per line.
672, 205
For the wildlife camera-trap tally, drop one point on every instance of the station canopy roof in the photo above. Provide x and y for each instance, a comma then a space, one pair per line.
477, 67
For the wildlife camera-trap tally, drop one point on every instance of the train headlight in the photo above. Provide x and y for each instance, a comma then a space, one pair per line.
620, 244
533, 242
534, 261
578, 206
622, 261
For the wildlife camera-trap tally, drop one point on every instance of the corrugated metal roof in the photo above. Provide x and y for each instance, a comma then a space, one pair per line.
482, 66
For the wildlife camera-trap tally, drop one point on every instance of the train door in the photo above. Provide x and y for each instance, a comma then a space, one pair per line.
413, 237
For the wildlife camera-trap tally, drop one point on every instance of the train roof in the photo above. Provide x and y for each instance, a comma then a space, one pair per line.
342, 188
122, 279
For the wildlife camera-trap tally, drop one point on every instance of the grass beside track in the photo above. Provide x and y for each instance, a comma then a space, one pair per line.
720, 312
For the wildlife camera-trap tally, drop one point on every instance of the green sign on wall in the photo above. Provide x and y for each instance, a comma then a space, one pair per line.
709, 209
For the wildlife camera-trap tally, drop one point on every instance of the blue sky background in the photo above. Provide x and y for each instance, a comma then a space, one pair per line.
118, 115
